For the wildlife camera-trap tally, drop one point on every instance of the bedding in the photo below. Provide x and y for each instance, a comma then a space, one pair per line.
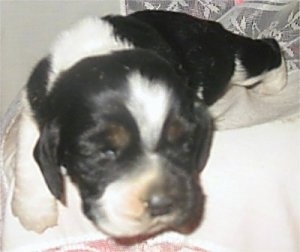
252, 177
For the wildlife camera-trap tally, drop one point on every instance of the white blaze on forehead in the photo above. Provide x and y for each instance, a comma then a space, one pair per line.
90, 37
149, 102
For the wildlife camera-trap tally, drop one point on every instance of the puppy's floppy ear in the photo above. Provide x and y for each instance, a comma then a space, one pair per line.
204, 134
46, 155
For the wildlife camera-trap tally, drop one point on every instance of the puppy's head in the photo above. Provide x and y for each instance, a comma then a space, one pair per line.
133, 139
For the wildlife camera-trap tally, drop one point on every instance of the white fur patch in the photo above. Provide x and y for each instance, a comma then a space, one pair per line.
90, 37
149, 102
270, 81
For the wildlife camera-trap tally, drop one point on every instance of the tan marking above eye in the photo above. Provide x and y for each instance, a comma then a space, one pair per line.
118, 136
175, 130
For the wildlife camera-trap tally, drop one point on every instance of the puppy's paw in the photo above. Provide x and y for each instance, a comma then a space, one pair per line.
273, 81
35, 212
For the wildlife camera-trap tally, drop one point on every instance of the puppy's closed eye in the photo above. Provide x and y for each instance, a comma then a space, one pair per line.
107, 142
178, 139
175, 130
117, 136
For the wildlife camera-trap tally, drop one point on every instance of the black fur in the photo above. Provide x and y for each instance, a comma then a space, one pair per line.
201, 49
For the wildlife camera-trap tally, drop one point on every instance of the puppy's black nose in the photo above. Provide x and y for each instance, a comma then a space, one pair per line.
159, 204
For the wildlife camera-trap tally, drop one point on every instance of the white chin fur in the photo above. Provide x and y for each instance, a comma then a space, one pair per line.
125, 228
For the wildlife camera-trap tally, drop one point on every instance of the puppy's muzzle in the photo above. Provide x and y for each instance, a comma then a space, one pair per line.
146, 202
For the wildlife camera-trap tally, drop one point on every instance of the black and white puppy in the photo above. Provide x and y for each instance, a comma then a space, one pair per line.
121, 103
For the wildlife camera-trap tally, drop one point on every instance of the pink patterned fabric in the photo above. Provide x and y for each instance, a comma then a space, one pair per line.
109, 245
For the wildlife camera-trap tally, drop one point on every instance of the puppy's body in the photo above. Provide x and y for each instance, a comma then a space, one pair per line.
121, 103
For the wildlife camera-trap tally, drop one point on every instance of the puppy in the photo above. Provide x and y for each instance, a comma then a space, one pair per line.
121, 104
